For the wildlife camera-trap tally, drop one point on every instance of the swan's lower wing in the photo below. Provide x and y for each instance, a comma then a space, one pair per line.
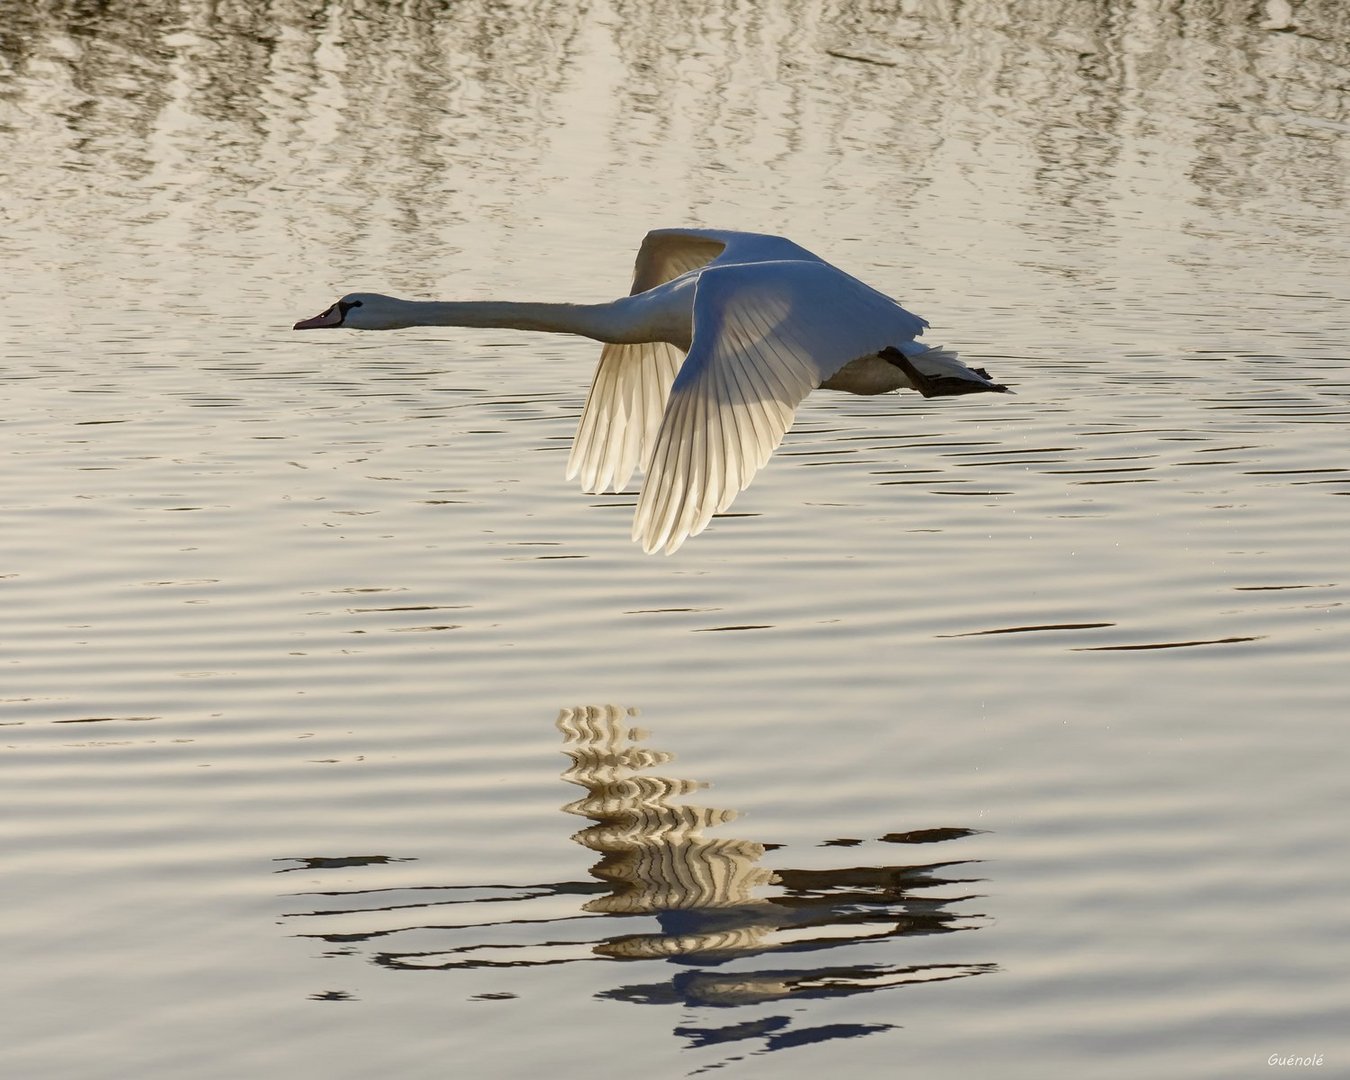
622, 413
628, 395
765, 336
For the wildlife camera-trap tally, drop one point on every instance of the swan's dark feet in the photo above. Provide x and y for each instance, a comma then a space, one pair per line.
940, 385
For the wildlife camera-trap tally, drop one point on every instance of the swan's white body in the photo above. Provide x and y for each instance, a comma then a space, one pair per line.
704, 363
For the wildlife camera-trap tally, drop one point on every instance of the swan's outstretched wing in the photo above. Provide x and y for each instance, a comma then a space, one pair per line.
628, 395
629, 390
621, 412
765, 336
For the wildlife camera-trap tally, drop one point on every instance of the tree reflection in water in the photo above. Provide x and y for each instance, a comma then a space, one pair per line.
664, 890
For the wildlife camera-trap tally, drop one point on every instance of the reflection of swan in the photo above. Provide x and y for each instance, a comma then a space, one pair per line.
653, 852
705, 362
702, 891
694, 920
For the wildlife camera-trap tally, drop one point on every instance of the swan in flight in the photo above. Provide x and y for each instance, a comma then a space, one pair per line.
704, 363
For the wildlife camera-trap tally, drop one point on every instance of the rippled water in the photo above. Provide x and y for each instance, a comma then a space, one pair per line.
342, 737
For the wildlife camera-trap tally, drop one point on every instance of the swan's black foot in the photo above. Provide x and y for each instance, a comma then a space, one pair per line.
940, 385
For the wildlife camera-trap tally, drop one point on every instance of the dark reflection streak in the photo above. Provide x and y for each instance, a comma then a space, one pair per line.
410, 961
410, 607
976, 494
324, 862
1290, 472
842, 55
929, 836
561, 888
1276, 588
802, 1037
666, 610
427, 905
1029, 629
487, 924
1167, 644
1090, 472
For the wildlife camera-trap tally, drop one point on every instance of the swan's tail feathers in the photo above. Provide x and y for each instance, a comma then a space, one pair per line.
936, 372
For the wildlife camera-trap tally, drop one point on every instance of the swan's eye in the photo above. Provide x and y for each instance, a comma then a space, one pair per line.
344, 306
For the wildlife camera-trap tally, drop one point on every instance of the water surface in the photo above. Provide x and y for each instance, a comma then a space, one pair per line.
342, 736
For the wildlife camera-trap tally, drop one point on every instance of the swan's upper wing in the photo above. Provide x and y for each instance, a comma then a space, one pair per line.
628, 395
765, 335
680, 250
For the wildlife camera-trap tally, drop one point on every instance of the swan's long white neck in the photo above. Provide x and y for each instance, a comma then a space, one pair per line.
603, 322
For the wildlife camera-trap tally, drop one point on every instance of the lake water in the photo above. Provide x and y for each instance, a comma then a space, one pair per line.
999, 736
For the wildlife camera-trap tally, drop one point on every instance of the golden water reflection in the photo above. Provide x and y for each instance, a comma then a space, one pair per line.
710, 896
663, 890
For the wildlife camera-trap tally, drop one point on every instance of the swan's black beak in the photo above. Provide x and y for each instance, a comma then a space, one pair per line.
332, 317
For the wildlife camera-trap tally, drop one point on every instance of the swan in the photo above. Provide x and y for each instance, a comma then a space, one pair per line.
704, 363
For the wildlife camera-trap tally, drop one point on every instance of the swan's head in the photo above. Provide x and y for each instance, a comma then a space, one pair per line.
361, 311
